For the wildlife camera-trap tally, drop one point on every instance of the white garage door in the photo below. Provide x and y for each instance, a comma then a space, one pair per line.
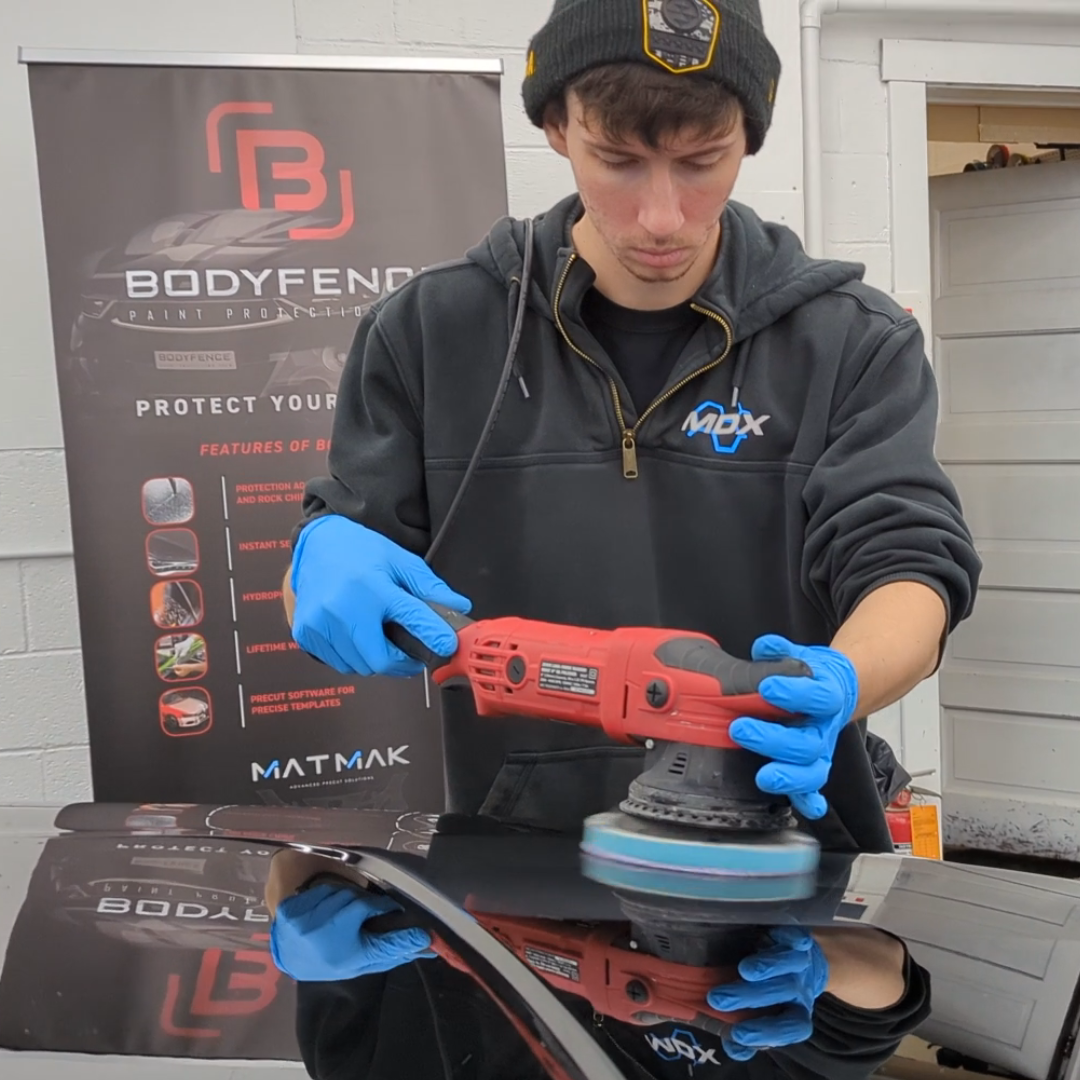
1003, 952
1006, 323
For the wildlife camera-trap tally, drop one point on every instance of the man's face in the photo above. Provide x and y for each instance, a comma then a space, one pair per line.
656, 211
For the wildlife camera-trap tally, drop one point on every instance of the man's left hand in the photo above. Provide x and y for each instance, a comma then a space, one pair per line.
801, 753
792, 973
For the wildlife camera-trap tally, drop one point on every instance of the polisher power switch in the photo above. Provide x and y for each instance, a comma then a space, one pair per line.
634, 683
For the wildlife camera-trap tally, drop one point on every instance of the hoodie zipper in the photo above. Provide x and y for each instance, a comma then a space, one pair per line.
629, 435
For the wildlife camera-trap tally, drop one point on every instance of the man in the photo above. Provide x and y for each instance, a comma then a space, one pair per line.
646, 407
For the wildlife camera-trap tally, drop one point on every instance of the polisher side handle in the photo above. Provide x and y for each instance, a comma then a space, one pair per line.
736, 677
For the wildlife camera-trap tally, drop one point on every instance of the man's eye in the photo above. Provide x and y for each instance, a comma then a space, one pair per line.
618, 163
701, 166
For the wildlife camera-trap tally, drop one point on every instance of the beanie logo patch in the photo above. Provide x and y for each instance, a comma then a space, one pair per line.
530, 66
681, 35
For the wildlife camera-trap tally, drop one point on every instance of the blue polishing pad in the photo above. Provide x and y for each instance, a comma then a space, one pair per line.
620, 838
715, 888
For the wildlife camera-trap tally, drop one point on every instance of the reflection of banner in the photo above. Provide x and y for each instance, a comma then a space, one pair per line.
410, 833
214, 235
143, 930
148, 946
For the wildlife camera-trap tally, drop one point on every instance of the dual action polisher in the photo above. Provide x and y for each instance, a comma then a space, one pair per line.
697, 808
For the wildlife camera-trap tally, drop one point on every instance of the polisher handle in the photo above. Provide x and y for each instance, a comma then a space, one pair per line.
415, 649
736, 678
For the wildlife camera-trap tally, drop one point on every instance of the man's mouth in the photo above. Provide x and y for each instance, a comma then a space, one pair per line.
660, 258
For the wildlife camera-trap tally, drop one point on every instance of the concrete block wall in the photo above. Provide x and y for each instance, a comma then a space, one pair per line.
42, 718
43, 742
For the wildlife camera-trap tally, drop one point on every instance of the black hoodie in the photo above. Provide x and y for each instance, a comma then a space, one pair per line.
787, 471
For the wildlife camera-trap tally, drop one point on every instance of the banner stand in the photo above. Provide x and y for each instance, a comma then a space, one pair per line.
217, 226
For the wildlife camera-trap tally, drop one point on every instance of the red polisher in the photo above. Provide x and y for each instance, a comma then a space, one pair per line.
697, 807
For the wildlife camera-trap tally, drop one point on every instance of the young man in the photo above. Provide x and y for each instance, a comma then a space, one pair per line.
645, 407
698, 427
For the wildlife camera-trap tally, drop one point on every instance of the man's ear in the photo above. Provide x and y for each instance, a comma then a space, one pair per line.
556, 137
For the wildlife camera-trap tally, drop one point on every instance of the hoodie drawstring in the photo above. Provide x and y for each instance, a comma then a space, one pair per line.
510, 369
514, 313
741, 363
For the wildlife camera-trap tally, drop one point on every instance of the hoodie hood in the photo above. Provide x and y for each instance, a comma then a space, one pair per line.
762, 272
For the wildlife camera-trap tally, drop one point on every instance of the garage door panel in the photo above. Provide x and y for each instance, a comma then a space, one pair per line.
1027, 825
1034, 440
1028, 564
1021, 628
986, 886
998, 941
997, 689
1008, 375
1044, 914
988, 249
1021, 502
1000, 1016
1015, 756
1008, 312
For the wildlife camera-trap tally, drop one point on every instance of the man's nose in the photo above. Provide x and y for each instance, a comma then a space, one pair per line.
661, 214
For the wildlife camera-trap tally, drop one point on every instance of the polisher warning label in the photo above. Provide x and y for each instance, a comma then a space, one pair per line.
569, 678
550, 964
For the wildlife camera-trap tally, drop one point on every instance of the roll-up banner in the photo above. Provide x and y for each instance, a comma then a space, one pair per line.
215, 228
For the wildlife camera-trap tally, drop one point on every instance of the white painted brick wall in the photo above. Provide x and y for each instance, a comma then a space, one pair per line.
42, 724
43, 753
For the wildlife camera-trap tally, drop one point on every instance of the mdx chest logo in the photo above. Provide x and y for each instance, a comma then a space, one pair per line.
307, 171
682, 1045
727, 428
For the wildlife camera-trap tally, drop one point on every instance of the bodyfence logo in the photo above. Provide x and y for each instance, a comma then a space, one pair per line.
165, 909
318, 764
309, 171
728, 430
682, 1045
259, 286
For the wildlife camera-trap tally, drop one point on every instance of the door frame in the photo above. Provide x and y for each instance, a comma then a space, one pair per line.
913, 70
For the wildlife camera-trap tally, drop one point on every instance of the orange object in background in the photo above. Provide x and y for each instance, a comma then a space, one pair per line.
914, 822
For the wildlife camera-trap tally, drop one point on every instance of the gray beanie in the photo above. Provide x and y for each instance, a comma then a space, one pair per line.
717, 39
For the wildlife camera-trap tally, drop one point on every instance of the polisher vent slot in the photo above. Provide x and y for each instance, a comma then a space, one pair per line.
664, 942
678, 765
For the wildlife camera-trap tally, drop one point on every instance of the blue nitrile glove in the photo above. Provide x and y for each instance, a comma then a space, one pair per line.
318, 936
349, 581
801, 753
792, 972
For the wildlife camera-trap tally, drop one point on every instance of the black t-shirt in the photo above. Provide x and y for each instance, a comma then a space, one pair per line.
643, 345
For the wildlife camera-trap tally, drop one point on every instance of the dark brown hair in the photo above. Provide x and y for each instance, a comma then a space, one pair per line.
633, 100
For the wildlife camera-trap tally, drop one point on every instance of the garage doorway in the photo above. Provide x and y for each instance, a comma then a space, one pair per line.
1005, 310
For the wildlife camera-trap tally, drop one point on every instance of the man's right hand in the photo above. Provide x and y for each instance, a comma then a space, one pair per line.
349, 582
318, 936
